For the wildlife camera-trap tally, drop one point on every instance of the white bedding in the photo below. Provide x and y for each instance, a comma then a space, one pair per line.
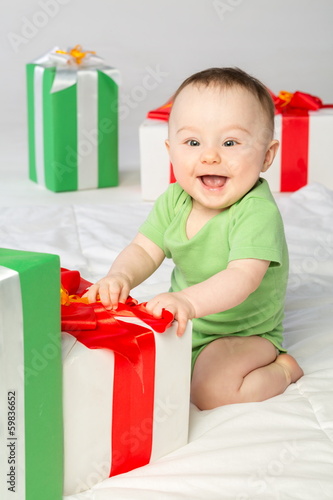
279, 449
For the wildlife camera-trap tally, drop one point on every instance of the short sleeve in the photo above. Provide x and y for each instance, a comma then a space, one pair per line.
256, 231
162, 214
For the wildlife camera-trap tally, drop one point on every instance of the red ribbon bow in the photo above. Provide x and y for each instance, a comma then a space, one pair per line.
77, 286
134, 348
161, 113
298, 103
80, 319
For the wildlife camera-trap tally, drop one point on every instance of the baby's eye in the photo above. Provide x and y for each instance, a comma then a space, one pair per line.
229, 142
193, 142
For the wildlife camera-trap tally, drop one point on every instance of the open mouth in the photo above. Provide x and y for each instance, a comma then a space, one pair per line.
213, 181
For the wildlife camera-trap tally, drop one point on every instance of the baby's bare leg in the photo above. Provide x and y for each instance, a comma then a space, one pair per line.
241, 369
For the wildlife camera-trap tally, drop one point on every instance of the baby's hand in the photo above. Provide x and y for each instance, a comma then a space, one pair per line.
175, 302
111, 290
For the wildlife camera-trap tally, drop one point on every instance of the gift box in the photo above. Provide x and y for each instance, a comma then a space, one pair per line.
72, 121
126, 389
31, 458
155, 168
303, 126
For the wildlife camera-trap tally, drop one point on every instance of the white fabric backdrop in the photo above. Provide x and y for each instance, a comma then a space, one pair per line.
280, 449
156, 44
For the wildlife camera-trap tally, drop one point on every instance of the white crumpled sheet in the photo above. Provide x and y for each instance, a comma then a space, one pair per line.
279, 449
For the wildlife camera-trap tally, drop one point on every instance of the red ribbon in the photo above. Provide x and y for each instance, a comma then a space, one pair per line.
295, 136
134, 371
163, 113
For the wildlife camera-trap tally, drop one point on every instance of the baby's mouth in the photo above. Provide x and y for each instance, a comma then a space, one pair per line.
213, 181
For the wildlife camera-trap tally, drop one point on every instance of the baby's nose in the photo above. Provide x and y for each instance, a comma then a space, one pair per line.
210, 155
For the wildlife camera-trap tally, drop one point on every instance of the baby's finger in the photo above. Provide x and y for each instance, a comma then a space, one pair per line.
182, 323
91, 293
123, 296
105, 296
117, 292
154, 308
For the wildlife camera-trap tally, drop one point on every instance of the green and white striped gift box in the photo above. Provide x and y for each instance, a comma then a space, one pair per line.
31, 437
72, 123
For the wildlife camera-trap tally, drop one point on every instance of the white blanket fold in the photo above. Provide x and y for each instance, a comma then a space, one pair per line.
279, 449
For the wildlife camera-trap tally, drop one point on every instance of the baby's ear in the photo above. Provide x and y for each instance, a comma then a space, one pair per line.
270, 154
167, 145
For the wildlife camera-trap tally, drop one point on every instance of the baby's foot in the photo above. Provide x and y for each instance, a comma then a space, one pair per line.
290, 366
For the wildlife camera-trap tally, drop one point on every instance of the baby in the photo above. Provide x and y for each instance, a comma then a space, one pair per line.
221, 226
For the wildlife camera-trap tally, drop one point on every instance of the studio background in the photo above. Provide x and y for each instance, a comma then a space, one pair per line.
288, 44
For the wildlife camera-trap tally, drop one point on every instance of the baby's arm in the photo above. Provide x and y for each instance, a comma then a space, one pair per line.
222, 291
132, 266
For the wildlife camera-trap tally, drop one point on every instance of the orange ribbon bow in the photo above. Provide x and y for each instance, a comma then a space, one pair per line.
76, 53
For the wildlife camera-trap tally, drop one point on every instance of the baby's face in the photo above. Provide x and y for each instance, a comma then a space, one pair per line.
219, 142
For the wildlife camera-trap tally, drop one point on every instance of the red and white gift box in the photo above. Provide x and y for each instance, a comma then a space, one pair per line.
156, 170
125, 391
303, 126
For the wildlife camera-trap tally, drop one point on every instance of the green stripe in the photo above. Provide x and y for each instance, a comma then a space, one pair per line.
60, 135
30, 69
108, 131
40, 283
60, 132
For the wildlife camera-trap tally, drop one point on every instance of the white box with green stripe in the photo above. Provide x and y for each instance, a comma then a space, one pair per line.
31, 437
72, 123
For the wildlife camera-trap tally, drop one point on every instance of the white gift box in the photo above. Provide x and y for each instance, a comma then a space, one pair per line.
155, 164
154, 158
319, 163
88, 376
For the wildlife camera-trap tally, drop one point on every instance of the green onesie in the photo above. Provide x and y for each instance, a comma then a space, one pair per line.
251, 228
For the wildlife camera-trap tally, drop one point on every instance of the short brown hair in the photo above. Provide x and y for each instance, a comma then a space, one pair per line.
233, 77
